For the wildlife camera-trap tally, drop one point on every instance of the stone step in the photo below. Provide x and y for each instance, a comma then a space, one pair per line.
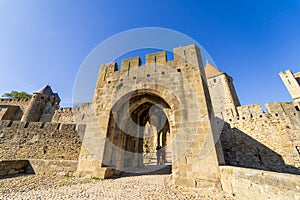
149, 169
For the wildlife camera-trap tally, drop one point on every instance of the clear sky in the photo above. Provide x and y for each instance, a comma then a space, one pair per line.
45, 42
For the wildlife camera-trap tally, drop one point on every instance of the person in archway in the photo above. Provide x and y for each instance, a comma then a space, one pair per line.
158, 154
163, 155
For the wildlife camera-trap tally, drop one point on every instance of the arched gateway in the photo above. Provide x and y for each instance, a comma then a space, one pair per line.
138, 108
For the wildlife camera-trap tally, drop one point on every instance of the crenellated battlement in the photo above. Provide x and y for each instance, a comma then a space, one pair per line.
46, 126
76, 108
131, 64
65, 110
15, 101
183, 56
275, 111
158, 57
66, 115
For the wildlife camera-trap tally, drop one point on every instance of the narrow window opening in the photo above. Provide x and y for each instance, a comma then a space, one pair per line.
185, 60
298, 149
128, 68
155, 63
178, 70
288, 80
9, 124
26, 125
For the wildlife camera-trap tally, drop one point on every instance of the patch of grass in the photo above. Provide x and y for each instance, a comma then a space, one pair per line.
67, 177
96, 178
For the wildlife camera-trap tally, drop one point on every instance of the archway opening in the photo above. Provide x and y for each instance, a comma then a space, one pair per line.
138, 134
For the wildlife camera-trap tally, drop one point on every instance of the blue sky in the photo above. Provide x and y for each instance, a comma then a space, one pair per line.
46, 41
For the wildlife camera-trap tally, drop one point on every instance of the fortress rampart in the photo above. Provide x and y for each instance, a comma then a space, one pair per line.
268, 141
78, 114
275, 110
14, 101
38, 140
21, 103
13, 109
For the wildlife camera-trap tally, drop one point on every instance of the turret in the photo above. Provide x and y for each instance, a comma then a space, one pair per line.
292, 84
223, 94
42, 105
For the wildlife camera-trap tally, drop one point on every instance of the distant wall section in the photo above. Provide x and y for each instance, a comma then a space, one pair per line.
13, 109
78, 114
269, 141
37, 140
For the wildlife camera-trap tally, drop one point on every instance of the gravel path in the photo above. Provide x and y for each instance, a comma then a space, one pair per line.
135, 187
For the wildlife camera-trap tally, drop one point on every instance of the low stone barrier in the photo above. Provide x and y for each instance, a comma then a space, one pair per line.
245, 183
11, 167
38, 166
55, 167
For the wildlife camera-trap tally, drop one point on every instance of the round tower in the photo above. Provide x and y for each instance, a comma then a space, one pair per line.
44, 100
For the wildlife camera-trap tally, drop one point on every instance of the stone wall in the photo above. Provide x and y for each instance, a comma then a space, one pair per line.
63, 115
10, 113
78, 114
13, 109
3, 111
268, 141
21, 102
37, 140
257, 184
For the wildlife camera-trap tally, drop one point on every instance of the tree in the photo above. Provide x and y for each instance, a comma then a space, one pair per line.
16, 94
